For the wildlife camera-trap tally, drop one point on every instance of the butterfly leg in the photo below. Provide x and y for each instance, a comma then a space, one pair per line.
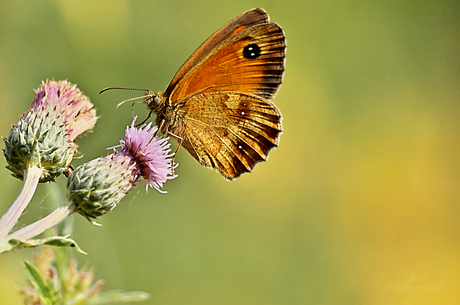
179, 139
69, 170
148, 117
159, 127
154, 134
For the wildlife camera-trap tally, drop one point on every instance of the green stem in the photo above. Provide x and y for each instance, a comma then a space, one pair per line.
10, 218
43, 224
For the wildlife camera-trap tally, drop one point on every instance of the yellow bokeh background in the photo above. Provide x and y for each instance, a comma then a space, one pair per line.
358, 205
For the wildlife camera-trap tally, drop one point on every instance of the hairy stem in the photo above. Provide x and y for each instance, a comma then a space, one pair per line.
10, 218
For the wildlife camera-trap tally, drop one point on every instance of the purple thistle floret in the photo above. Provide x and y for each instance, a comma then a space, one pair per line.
152, 155
66, 98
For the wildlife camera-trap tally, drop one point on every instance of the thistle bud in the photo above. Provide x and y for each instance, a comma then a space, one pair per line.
96, 187
39, 140
45, 136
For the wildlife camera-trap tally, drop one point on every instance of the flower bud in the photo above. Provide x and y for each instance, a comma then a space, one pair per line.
38, 139
96, 187
45, 136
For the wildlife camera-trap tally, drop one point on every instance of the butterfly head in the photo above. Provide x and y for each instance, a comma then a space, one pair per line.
154, 101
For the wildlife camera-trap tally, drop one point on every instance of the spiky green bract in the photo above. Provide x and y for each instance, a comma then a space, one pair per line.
96, 187
39, 139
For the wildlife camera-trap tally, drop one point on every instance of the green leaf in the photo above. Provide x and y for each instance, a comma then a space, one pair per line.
57, 241
39, 283
117, 296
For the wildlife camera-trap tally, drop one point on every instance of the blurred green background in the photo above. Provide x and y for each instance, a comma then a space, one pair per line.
358, 205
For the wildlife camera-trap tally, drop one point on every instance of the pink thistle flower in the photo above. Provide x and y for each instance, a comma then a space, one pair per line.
45, 137
70, 102
152, 155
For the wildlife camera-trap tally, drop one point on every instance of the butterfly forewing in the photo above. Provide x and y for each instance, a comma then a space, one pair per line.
237, 24
251, 61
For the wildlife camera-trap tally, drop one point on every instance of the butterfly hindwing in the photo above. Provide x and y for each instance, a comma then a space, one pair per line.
228, 131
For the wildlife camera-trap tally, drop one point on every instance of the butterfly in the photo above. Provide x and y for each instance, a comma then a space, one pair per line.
218, 106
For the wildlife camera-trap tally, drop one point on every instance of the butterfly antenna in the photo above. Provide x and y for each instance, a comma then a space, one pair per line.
122, 88
129, 100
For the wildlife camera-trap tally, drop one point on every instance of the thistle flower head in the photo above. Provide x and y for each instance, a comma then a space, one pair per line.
96, 187
152, 155
45, 136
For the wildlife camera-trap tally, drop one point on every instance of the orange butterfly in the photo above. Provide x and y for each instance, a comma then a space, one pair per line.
217, 105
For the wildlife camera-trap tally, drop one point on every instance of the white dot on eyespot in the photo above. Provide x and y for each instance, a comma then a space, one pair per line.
240, 147
242, 112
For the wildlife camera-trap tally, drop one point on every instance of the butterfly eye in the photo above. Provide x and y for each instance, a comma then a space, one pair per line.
251, 51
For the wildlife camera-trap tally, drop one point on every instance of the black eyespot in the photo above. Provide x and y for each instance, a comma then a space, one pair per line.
251, 51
